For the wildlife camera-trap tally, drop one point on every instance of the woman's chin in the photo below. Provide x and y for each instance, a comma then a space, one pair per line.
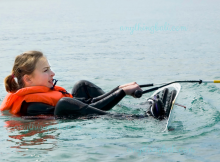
50, 86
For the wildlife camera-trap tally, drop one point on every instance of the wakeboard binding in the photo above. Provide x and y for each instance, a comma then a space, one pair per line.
159, 105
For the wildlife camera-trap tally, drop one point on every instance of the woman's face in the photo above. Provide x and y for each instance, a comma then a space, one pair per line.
42, 75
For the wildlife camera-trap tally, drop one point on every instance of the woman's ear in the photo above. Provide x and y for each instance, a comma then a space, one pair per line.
27, 80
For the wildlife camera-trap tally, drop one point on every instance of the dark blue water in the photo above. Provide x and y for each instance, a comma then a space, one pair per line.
85, 40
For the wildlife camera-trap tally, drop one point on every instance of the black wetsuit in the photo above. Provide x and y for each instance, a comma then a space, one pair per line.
88, 99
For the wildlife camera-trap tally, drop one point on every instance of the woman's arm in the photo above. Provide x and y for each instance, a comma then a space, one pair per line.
71, 107
110, 101
104, 95
128, 88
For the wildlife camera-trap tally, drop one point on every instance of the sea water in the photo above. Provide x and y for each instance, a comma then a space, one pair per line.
111, 43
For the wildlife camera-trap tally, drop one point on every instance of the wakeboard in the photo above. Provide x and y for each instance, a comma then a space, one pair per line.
169, 102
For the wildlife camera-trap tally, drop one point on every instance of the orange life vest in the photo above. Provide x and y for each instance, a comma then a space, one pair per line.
13, 101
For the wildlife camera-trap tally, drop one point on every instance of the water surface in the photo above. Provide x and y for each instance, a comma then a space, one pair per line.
83, 40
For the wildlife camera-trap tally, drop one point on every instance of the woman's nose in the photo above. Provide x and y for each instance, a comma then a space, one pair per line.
52, 73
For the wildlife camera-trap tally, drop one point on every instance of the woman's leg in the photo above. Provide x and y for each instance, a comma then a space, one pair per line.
86, 89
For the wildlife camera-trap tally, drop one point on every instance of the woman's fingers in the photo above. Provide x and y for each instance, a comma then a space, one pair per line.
137, 88
128, 84
129, 90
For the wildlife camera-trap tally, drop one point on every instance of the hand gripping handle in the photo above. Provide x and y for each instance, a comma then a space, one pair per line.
138, 94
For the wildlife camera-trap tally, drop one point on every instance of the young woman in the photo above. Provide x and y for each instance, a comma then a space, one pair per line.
31, 92
34, 93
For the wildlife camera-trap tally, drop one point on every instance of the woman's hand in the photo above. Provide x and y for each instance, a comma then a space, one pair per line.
130, 88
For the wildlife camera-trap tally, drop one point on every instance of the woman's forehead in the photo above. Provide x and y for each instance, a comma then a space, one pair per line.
42, 62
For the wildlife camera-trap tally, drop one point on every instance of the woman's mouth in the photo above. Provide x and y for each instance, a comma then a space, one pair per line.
51, 81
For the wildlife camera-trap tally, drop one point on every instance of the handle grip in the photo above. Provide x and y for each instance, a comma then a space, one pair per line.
138, 94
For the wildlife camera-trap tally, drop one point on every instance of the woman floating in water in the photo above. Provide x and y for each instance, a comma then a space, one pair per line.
34, 91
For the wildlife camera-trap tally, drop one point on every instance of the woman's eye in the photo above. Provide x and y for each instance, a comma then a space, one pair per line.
45, 70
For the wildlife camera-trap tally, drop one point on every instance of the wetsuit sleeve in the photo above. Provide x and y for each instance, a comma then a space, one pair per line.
84, 100
95, 99
36, 108
110, 101
71, 107
104, 95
